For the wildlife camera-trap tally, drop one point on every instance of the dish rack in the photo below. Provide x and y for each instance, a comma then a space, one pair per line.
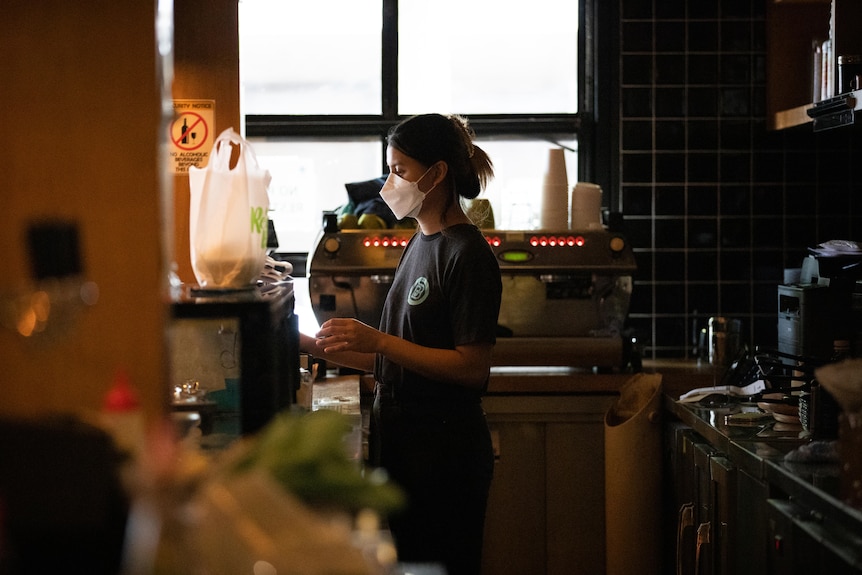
790, 392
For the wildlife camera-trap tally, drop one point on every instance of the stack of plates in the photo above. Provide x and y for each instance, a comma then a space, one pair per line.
781, 409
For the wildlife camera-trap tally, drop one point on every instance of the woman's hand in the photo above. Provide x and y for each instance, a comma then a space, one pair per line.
350, 342
348, 334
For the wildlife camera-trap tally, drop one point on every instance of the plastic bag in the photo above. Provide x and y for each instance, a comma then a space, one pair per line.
228, 216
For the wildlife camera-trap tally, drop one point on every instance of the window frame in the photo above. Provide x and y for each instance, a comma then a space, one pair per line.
549, 127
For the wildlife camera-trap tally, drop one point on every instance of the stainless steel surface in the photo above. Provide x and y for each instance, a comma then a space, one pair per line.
565, 294
766, 478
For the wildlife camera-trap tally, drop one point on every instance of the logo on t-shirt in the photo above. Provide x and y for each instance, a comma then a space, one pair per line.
419, 291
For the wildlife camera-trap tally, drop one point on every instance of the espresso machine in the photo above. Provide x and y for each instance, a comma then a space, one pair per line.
823, 312
565, 294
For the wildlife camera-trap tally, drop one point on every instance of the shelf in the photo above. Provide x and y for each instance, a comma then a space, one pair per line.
791, 29
799, 115
790, 118
793, 26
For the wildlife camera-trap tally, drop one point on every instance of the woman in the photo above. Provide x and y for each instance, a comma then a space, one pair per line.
431, 356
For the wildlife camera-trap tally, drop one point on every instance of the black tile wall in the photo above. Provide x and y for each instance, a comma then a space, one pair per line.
716, 205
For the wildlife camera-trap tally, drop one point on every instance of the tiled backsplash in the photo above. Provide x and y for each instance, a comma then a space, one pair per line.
715, 205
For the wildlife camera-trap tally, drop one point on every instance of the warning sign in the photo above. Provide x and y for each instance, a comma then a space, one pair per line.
191, 134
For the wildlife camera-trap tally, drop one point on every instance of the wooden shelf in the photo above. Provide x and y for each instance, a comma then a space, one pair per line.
789, 118
798, 116
792, 28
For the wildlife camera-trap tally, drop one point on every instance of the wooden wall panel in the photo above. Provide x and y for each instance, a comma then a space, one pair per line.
82, 124
206, 64
79, 106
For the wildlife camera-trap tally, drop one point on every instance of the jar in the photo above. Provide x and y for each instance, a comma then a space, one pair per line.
723, 340
849, 73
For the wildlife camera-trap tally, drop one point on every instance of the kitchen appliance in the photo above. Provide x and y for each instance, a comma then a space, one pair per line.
823, 313
565, 293
804, 320
240, 349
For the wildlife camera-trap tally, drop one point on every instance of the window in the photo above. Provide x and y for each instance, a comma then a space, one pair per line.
322, 82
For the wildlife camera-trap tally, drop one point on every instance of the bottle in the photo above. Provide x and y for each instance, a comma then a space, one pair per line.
122, 416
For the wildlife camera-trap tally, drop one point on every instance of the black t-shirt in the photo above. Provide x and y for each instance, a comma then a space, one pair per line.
446, 293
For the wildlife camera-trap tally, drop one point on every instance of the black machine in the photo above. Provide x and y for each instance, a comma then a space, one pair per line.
235, 355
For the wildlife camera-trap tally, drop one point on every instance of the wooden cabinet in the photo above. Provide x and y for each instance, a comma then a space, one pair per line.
546, 512
715, 510
728, 512
792, 28
700, 506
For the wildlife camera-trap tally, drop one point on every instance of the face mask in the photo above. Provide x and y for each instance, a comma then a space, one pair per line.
403, 198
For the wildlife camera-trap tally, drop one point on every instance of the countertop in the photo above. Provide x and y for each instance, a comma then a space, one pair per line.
761, 450
342, 394
758, 450
678, 376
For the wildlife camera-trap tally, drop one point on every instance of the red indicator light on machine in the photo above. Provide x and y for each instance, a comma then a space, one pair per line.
494, 241
385, 242
561, 241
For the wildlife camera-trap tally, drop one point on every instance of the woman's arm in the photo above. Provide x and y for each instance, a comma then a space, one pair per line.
466, 365
355, 360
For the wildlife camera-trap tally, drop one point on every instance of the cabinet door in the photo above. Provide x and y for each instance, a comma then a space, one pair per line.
678, 520
698, 499
724, 518
575, 469
801, 543
683, 497
515, 522
546, 510
750, 527
704, 552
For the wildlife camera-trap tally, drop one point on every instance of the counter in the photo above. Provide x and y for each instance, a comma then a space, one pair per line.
761, 451
546, 504
678, 376
778, 511
547, 427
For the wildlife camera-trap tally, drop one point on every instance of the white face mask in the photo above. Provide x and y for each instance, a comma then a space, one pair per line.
403, 198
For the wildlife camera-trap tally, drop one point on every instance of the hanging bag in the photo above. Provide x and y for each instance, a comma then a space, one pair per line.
228, 216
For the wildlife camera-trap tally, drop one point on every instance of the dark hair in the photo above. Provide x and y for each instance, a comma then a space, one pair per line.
429, 138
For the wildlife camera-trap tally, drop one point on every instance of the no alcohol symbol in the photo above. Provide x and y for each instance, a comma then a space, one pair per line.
189, 131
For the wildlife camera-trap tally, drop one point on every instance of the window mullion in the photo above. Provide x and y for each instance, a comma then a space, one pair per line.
389, 60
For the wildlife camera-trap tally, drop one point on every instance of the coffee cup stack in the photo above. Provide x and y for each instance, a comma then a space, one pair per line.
586, 210
555, 192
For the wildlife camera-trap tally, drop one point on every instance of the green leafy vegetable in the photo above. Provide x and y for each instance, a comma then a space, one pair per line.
305, 453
